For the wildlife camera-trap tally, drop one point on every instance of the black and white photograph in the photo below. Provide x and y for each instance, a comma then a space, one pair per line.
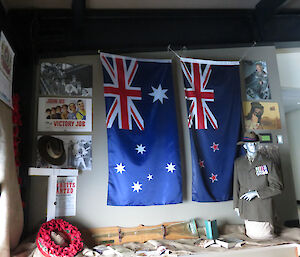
77, 151
256, 80
65, 79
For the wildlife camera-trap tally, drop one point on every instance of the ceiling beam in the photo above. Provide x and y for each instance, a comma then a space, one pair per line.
78, 17
121, 31
265, 10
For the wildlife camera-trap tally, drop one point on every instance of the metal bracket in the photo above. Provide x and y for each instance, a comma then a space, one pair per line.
120, 235
164, 231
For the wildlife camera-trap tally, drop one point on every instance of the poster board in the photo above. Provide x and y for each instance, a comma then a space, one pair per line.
78, 150
64, 114
256, 80
261, 115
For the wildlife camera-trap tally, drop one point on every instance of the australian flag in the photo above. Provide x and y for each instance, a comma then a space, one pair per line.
212, 91
143, 147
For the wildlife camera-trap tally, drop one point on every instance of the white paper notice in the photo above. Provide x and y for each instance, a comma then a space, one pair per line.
66, 196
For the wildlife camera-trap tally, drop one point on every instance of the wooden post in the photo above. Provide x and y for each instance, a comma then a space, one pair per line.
52, 184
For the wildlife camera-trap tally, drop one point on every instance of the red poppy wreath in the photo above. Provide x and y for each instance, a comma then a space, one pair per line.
58, 238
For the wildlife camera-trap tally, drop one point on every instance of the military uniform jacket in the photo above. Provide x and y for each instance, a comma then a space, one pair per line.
260, 175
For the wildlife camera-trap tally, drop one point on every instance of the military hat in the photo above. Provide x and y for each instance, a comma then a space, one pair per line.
52, 150
249, 137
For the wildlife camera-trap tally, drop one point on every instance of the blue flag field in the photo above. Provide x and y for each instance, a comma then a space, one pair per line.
143, 147
212, 91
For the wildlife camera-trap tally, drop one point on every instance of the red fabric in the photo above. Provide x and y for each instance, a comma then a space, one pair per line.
17, 122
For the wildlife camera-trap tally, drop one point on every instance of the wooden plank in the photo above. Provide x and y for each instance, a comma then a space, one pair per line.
141, 233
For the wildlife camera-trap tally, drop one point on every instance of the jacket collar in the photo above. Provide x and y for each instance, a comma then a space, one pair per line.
256, 162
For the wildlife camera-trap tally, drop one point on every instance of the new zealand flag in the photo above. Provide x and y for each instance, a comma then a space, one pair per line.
212, 91
143, 148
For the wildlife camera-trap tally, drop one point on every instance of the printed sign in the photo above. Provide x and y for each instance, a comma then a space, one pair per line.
65, 114
78, 150
6, 70
66, 196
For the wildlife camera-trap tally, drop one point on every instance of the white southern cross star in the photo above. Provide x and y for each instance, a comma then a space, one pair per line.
140, 149
137, 186
215, 147
213, 177
170, 167
150, 177
201, 163
120, 168
159, 94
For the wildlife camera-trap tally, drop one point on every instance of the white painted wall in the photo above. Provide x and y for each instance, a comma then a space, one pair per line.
289, 67
92, 210
289, 74
293, 128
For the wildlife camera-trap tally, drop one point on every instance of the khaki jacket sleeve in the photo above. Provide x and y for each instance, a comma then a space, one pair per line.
236, 188
275, 185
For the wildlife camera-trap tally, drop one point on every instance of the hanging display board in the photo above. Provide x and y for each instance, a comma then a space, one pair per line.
6, 70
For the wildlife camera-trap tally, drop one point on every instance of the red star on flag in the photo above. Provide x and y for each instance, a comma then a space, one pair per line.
213, 177
201, 163
215, 147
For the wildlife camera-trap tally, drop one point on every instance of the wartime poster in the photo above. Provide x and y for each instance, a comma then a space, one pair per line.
78, 150
261, 115
256, 80
65, 114
66, 196
65, 79
6, 70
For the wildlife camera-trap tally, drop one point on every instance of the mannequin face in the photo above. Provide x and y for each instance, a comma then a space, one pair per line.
251, 148
259, 68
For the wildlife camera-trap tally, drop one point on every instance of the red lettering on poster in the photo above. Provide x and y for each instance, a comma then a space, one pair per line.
52, 101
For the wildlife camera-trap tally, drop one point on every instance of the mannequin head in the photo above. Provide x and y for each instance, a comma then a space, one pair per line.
251, 148
250, 142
